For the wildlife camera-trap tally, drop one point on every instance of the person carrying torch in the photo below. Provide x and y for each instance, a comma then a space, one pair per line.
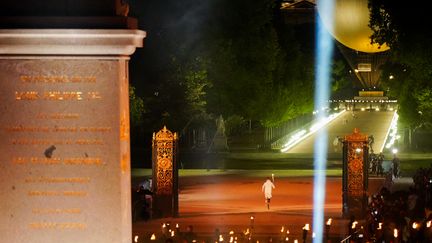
267, 188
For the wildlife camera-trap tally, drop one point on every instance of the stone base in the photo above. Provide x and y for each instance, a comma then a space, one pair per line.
64, 135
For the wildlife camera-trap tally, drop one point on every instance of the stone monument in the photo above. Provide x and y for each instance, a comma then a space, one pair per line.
219, 142
64, 121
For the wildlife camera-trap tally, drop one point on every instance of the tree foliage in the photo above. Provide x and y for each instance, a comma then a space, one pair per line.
339, 79
221, 57
193, 78
136, 107
261, 70
410, 64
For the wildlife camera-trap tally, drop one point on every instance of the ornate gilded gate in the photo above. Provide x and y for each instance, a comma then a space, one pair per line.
165, 174
355, 174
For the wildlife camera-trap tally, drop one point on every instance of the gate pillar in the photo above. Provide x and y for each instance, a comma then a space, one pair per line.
355, 174
165, 174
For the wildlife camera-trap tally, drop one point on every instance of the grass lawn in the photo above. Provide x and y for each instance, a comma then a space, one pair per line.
264, 164
252, 173
409, 167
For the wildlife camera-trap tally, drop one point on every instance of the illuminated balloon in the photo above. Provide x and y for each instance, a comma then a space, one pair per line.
351, 19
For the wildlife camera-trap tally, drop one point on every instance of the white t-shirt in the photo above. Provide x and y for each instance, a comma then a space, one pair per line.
267, 188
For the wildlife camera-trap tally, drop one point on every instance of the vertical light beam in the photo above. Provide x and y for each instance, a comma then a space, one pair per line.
324, 50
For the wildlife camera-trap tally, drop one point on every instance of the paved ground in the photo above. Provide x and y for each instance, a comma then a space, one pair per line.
370, 123
227, 202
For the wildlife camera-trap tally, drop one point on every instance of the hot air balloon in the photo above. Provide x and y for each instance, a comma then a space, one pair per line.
349, 25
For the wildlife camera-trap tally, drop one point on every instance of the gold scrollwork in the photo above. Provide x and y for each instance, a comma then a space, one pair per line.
163, 141
356, 144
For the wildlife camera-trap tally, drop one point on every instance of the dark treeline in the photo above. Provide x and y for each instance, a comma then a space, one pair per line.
203, 59
410, 64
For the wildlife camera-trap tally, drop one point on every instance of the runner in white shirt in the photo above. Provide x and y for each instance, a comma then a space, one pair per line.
267, 188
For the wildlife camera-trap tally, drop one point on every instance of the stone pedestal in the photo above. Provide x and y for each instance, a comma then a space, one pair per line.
64, 135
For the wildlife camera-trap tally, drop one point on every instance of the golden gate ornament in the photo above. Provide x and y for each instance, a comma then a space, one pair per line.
355, 174
165, 173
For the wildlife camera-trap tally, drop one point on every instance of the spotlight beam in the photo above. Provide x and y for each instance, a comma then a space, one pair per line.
324, 51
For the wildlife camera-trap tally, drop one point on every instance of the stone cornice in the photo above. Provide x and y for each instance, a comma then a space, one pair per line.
103, 42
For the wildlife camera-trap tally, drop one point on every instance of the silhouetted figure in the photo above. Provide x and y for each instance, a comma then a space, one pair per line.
371, 140
190, 235
216, 235
380, 160
372, 162
396, 165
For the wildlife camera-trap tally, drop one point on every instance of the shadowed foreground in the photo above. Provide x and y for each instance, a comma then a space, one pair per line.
226, 202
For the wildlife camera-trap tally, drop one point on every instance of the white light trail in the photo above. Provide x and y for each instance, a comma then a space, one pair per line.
303, 134
391, 134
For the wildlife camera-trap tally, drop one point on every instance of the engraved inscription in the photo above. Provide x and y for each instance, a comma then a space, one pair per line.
23, 128
69, 180
57, 95
58, 104
57, 193
57, 161
57, 116
58, 225
25, 141
56, 210
57, 79
55, 103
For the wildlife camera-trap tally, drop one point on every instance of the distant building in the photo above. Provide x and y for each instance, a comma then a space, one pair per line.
298, 11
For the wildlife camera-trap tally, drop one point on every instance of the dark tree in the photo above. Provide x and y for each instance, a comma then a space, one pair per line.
202, 59
405, 27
